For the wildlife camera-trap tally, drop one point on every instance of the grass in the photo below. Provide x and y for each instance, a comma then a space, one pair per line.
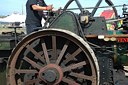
0, 28
3, 78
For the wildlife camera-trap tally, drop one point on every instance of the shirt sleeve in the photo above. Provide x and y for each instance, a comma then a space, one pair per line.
32, 2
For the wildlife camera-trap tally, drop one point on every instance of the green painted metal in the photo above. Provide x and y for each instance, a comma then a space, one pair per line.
121, 49
117, 32
122, 58
5, 45
66, 21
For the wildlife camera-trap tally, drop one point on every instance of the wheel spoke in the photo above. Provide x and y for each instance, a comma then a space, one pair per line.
35, 53
45, 51
54, 46
25, 71
32, 63
72, 56
73, 66
62, 52
81, 76
29, 82
70, 82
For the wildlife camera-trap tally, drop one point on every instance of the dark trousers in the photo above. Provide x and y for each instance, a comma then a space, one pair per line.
30, 28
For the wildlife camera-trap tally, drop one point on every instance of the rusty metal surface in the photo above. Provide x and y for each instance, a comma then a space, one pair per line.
39, 54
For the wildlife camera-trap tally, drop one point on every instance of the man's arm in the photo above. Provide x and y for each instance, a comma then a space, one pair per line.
39, 8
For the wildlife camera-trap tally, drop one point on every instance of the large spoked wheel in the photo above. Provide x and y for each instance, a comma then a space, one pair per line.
52, 57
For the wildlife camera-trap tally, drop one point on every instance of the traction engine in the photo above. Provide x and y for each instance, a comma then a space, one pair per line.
75, 49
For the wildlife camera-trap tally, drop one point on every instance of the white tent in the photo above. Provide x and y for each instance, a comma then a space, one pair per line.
1, 19
17, 18
14, 18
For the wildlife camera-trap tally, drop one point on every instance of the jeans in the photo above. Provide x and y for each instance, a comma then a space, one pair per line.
30, 28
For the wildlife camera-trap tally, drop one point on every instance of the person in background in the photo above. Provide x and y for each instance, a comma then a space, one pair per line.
34, 9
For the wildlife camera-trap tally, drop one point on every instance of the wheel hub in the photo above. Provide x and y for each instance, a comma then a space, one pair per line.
51, 74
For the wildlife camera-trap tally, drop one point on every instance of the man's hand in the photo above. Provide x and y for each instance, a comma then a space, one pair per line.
59, 8
54, 10
50, 7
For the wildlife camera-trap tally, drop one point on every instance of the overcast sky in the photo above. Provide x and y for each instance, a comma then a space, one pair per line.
7, 7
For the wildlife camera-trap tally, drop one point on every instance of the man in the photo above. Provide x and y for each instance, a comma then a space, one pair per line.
34, 10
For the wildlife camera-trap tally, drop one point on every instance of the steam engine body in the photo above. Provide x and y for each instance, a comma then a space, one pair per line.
74, 49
